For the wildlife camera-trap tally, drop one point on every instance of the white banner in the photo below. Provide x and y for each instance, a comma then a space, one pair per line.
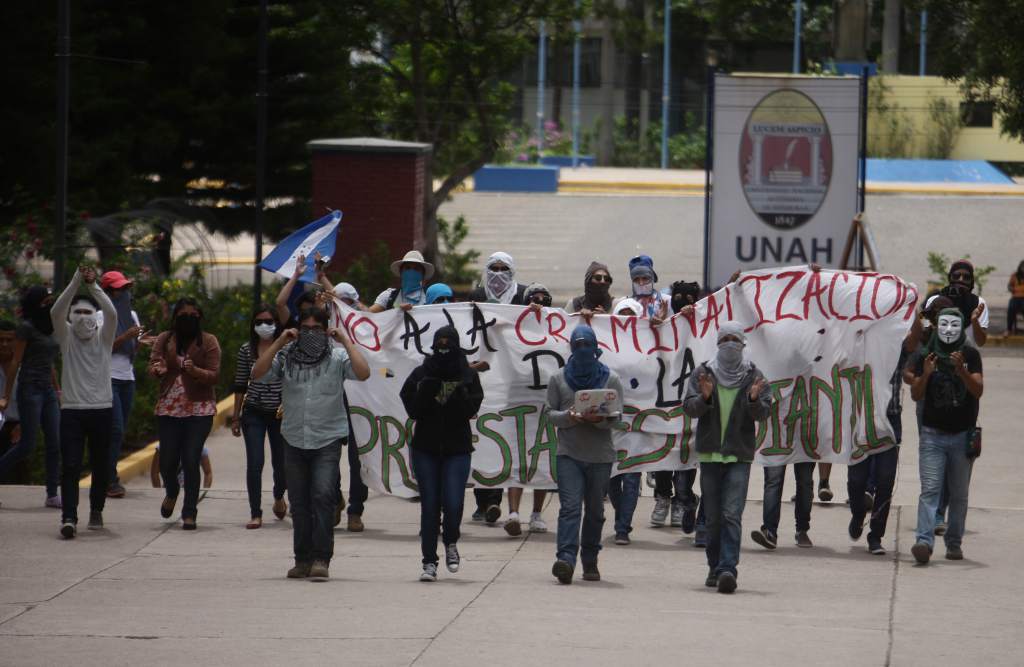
828, 342
785, 171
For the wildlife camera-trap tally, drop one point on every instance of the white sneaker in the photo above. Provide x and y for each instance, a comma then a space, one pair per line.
537, 524
660, 513
429, 572
512, 526
676, 519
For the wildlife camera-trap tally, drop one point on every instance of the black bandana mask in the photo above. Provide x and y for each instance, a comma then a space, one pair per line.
448, 359
306, 353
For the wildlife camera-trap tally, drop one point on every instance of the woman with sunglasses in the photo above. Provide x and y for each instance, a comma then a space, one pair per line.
596, 297
255, 416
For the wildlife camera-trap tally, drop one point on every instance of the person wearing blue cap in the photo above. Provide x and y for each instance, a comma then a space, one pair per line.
439, 293
644, 279
585, 456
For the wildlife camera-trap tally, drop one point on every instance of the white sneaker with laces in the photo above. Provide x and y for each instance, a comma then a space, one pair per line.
429, 572
512, 526
660, 513
537, 524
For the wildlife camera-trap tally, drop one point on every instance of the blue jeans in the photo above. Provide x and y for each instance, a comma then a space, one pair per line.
623, 491
581, 490
312, 478
181, 446
724, 490
76, 427
774, 480
38, 407
943, 456
442, 484
257, 427
883, 468
124, 397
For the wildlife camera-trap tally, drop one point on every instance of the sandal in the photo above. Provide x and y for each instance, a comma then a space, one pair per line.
255, 522
280, 508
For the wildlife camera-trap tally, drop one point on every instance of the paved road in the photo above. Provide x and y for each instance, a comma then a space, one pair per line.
143, 591
554, 237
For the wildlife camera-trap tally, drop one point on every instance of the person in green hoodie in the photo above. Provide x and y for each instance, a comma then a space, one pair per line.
728, 394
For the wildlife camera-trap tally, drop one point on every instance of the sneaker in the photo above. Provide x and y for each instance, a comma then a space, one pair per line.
512, 526
537, 524
726, 582
660, 513
954, 553
562, 571
492, 514
451, 558
824, 493
115, 490
940, 528
622, 539
689, 520
922, 552
676, 517
856, 527
803, 540
319, 570
869, 501
299, 571
68, 530
478, 515
429, 572
875, 548
765, 538
700, 537
95, 520
712, 580
355, 523
590, 572
54, 502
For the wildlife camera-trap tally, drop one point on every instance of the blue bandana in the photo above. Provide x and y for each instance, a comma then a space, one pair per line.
583, 370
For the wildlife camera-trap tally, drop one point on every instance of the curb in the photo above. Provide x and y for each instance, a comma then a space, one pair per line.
875, 188
138, 463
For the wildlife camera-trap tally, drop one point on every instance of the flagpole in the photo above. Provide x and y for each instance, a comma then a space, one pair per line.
261, 153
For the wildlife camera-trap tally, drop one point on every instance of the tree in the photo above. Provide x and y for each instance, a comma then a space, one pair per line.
978, 42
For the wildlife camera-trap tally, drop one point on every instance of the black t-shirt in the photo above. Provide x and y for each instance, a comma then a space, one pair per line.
40, 352
948, 406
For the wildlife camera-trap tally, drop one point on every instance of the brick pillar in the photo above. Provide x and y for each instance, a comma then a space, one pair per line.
380, 186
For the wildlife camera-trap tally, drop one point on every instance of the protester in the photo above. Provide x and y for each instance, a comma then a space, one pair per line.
122, 370
348, 295
624, 488
584, 458
318, 294
596, 297
255, 415
442, 395
774, 480
949, 379
86, 408
10, 422
413, 272
537, 294
312, 373
38, 392
1015, 308
204, 464
727, 395
973, 308
186, 360
439, 293
644, 279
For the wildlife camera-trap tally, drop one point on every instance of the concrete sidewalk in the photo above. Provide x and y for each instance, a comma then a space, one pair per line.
143, 591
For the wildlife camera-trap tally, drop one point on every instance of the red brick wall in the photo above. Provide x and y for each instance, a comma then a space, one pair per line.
380, 195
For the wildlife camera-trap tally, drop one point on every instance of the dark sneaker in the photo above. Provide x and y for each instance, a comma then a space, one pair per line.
622, 539
590, 572
922, 552
299, 571
712, 580
478, 515
700, 537
512, 525
676, 516
726, 582
689, 518
875, 548
492, 514
95, 520
355, 523
68, 530
562, 571
451, 558
954, 553
429, 572
940, 528
115, 490
869, 501
319, 570
856, 528
764, 537
167, 506
803, 540
824, 493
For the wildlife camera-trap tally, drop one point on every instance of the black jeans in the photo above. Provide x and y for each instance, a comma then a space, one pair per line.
487, 497
679, 481
884, 467
181, 446
312, 478
257, 427
78, 427
774, 481
357, 491
442, 484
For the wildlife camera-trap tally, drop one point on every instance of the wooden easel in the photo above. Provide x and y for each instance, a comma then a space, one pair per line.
859, 232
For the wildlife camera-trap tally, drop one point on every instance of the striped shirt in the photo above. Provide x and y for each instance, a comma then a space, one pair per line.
263, 394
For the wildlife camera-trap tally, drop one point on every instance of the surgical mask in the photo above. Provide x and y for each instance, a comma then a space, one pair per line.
730, 353
412, 281
950, 328
499, 282
645, 289
84, 325
265, 331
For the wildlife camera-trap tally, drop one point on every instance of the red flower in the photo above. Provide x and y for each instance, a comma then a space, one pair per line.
38, 243
30, 253
9, 271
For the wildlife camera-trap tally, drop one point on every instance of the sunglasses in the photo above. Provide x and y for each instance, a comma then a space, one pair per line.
601, 279
265, 321
960, 274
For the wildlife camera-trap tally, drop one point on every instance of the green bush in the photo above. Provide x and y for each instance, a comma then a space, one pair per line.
686, 150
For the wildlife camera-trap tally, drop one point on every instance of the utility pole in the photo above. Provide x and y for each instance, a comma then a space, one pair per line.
666, 81
63, 95
577, 27
542, 57
261, 152
923, 58
798, 20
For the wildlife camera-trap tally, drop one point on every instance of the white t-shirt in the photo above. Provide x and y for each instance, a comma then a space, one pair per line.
121, 367
982, 321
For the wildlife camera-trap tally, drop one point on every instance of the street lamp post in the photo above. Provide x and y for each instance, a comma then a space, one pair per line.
666, 83
261, 152
541, 70
63, 94
577, 27
798, 13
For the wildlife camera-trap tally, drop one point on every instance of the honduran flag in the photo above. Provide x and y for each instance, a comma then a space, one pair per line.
319, 235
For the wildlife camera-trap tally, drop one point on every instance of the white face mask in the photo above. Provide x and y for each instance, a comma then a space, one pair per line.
499, 282
950, 328
84, 325
265, 331
645, 289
